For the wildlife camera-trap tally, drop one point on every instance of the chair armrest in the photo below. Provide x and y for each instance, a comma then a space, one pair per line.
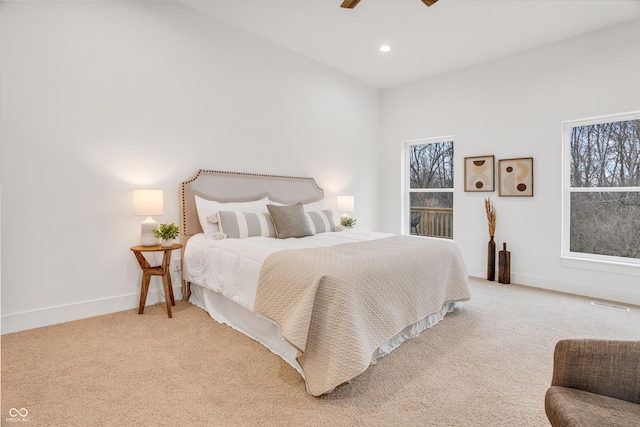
610, 368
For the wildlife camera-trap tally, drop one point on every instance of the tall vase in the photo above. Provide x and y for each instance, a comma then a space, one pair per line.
491, 260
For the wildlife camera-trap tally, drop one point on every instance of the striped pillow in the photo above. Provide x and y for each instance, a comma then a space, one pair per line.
320, 221
239, 225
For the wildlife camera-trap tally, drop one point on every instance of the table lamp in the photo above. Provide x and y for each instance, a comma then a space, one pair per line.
147, 203
345, 204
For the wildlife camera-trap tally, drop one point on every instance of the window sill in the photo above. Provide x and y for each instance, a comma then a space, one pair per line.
601, 265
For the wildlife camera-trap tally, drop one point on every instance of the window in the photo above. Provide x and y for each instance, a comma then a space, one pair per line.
602, 189
429, 188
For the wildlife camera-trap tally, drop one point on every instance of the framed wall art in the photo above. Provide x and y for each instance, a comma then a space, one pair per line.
479, 173
515, 177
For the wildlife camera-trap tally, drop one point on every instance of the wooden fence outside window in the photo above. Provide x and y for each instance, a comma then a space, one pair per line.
432, 222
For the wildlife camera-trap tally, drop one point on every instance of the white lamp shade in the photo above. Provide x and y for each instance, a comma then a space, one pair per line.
148, 202
346, 203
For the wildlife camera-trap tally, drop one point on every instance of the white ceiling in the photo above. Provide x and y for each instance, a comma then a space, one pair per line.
425, 41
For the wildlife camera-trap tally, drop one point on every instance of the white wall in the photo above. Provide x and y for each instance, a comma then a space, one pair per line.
514, 107
99, 98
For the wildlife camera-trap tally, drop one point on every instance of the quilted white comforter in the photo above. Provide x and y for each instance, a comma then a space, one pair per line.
338, 304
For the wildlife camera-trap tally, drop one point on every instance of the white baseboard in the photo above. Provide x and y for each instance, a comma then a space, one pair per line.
65, 313
591, 291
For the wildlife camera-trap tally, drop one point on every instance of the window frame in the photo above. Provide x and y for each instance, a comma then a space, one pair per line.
579, 259
406, 183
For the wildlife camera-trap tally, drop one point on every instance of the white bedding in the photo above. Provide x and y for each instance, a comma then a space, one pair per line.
224, 277
232, 266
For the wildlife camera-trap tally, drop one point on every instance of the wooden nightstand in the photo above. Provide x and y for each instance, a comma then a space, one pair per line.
163, 270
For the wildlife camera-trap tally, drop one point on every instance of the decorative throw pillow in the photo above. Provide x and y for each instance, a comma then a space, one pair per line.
320, 221
290, 221
239, 225
206, 208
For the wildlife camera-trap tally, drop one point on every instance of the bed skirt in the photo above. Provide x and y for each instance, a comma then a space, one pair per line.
269, 333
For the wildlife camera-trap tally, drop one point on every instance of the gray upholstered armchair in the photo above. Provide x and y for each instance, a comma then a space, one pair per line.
595, 383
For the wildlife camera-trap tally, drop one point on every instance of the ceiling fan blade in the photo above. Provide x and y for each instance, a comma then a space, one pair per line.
350, 4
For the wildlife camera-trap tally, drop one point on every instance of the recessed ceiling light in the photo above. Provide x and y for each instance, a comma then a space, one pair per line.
385, 48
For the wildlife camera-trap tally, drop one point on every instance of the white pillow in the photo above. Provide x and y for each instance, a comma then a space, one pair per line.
207, 208
320, 205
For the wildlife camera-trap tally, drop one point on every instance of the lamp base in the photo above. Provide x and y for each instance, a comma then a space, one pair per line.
147, 238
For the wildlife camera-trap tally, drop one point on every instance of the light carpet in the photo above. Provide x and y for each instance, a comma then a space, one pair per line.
487, 364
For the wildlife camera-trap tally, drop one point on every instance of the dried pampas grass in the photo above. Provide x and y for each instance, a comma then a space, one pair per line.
491, 216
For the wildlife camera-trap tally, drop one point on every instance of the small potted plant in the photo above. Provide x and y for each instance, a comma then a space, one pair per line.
167, 232
348, 222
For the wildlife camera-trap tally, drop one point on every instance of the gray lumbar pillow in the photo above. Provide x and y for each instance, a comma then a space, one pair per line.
289, 221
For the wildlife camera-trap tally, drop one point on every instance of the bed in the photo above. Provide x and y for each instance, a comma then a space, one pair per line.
261, 255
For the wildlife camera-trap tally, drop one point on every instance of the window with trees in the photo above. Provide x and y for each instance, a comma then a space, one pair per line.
429, 188
602, 189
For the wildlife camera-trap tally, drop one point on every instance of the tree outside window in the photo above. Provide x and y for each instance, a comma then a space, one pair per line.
430, 188
602, 198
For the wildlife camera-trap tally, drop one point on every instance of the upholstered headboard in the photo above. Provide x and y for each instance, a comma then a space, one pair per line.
239, 187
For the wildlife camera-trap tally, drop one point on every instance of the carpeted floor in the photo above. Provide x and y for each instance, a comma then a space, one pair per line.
487, 364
